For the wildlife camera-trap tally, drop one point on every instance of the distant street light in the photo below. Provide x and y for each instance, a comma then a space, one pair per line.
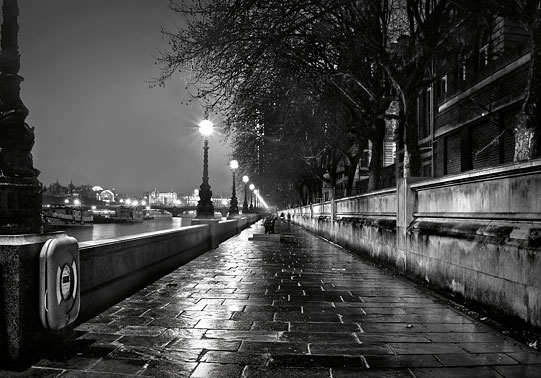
66, 201
252, 187
233, 209
245, 180
77, 203
205, 208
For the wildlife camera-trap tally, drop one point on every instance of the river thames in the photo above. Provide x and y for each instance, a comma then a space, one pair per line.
116, 230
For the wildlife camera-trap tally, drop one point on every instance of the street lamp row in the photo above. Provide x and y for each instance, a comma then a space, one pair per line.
205, 208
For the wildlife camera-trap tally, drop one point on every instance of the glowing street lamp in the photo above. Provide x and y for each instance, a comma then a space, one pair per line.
252, 187
245, 180
77, 203
205, 208
233, 209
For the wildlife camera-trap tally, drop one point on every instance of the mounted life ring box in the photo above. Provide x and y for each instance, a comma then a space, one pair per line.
59, 282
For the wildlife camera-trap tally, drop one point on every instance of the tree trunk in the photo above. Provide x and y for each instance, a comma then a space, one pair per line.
412, 157
353, 163
528, 130
374, 171
399, 141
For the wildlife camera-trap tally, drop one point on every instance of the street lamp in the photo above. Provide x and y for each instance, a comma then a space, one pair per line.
252, 187
245, 180
205, 208
77, 204
233, 209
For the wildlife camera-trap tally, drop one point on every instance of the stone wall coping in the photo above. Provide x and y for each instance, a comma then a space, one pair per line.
30, 238
145, 235
483, 174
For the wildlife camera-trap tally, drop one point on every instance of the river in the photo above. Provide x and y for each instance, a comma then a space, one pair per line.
116, 230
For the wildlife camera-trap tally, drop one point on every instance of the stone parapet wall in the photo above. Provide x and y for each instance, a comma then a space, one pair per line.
113, 269
509, 192
476, 235
110, 270
379, 203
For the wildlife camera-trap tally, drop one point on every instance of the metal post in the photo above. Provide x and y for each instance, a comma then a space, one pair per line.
18, 178
245, 203
233, 209
205, 208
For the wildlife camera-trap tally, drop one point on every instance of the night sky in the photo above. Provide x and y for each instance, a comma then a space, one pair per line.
87, 66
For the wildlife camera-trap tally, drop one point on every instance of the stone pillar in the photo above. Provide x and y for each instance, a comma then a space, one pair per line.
406, 207
213, 230
333, 218
22, 336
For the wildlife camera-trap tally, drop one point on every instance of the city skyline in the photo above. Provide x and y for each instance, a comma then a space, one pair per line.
88, 68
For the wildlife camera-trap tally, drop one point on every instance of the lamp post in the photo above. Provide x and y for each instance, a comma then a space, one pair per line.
252, 187
18, 177
77, 204
205, 208
233, 209
256, 199
245, 180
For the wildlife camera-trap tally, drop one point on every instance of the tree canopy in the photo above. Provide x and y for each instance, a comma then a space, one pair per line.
303, 84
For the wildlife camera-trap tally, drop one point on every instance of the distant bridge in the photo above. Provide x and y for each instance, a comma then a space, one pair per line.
177, 210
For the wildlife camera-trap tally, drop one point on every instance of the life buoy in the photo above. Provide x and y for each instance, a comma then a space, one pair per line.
59, 285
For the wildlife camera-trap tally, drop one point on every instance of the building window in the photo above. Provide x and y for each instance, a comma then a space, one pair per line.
365, 159
429, 107
483, 56
443, 85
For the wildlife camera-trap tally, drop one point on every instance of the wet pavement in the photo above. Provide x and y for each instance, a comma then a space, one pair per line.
299, 308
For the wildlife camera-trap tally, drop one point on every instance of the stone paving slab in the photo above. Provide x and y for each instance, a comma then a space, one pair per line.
299, 307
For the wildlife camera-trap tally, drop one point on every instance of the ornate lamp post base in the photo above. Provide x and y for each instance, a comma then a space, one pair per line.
20, 204
205, 210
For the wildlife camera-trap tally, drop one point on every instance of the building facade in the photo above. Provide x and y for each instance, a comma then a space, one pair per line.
466, 117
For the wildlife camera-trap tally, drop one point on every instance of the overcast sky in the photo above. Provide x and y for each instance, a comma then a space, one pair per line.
87, 66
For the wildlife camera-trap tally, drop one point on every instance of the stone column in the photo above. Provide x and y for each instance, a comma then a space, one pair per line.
406, 206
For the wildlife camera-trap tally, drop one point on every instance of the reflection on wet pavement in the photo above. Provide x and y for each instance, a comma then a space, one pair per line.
299, 308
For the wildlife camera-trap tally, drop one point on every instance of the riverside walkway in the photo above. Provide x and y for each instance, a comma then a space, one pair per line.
299, 308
